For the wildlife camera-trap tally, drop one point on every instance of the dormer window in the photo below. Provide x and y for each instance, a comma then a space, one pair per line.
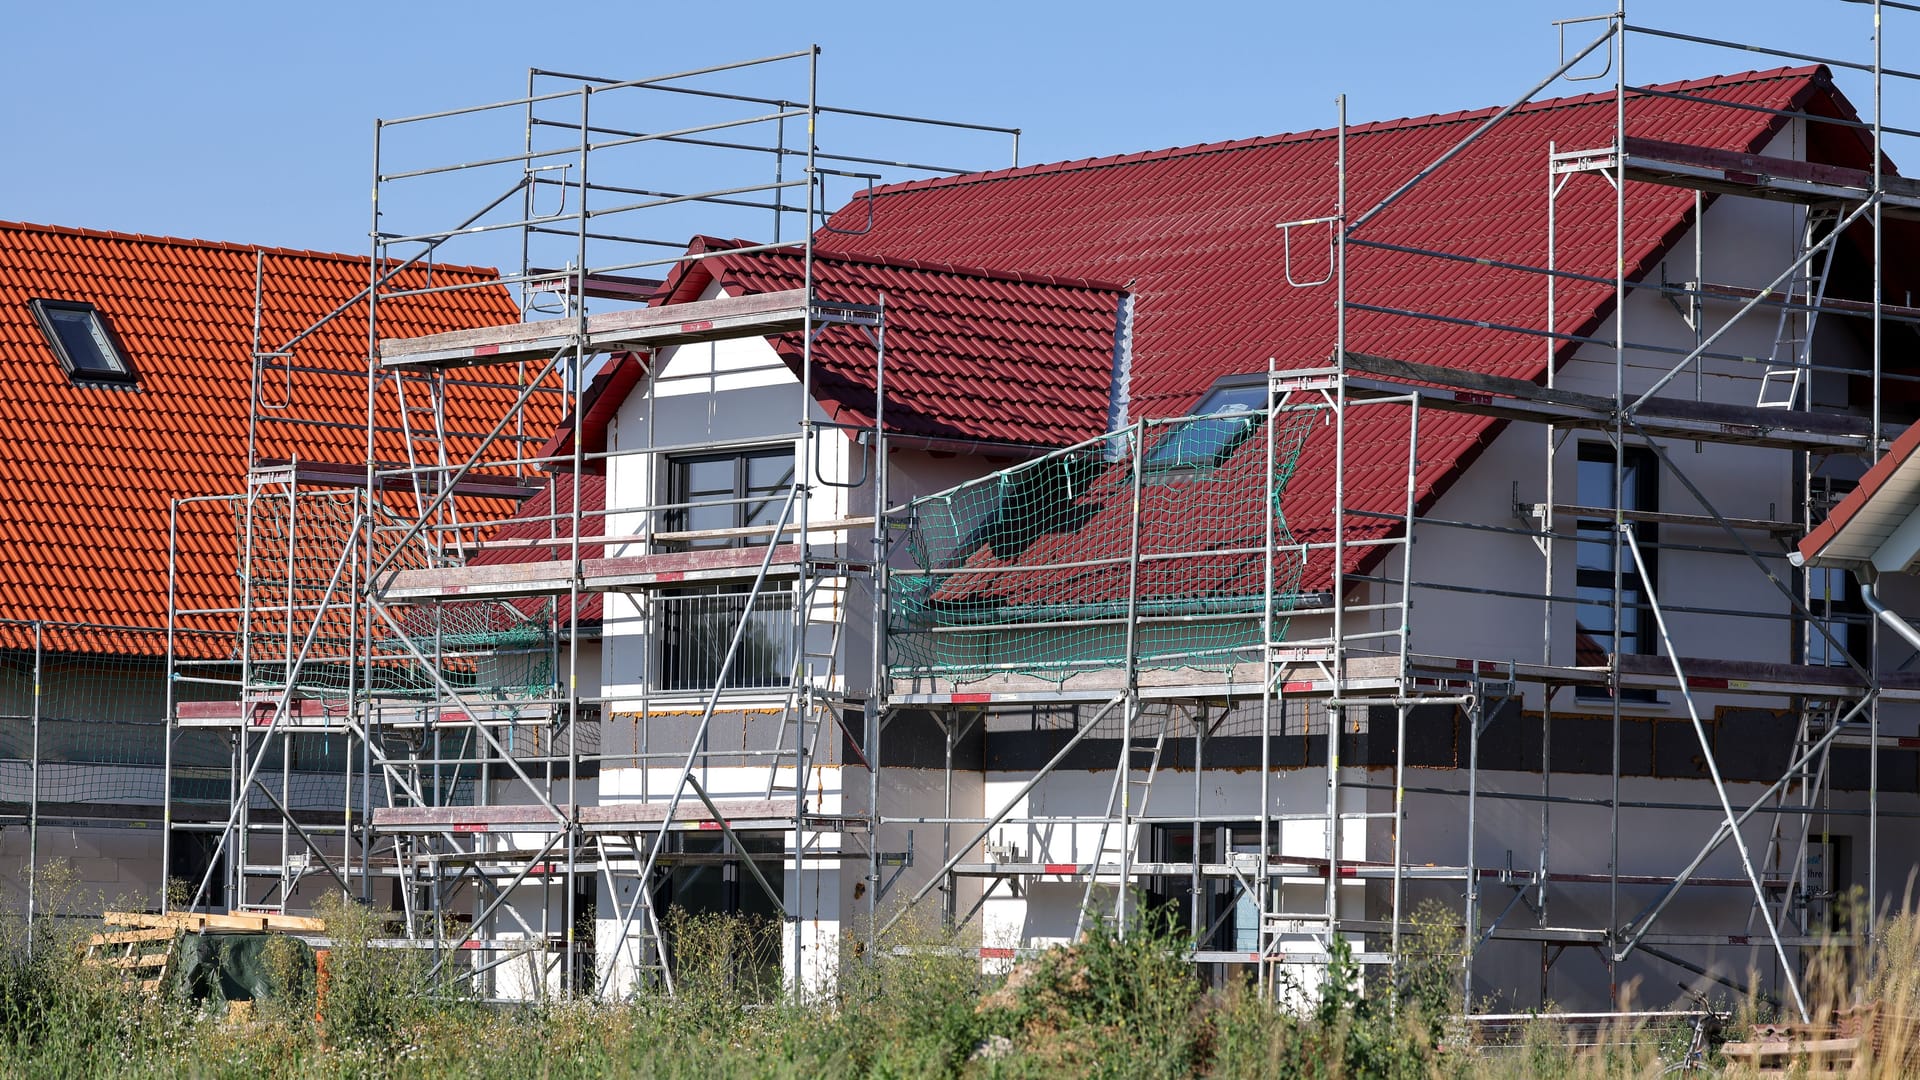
79, 336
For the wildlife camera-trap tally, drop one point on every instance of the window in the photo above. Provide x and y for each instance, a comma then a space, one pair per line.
727, 491
713, 492
1224, 420
1595, 549
698, 624
79, 336
1833, 598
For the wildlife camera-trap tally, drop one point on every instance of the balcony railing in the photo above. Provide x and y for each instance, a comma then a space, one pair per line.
695, 629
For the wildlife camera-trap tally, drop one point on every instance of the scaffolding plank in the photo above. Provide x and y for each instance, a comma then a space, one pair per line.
301, 713
602, 817
1732, 172
1656, 673
835, 526
596, 575
332, 714
601, 286
757, 314
1760, 677
1679, 418
1826, 305
1244, 680
339, 475
1431, 674
1667, 517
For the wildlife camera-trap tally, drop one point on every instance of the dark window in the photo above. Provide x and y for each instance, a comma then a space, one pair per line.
1229, 912
1222, 421
79, 336
1833, 598
1597, 544
715, 881
697, 625
727, 491
189, 858
714, 492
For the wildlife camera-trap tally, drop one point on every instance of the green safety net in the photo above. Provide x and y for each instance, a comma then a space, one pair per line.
88, 705
303, 555
1155, 541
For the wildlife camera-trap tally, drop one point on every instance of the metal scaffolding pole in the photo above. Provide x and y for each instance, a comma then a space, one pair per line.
1713, 770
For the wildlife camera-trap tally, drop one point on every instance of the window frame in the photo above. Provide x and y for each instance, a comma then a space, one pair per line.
120, 370
677, 632
1845, 615
1167, 455
1637, 582
739, 500
1845, 612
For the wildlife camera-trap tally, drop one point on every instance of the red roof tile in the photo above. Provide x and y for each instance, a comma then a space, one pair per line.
549, 514
998, 356
1193, 231
91, 471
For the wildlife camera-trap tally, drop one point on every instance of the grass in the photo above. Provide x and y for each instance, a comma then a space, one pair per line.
1109, 1006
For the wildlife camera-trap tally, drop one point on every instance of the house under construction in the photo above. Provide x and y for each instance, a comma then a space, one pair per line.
1288, 533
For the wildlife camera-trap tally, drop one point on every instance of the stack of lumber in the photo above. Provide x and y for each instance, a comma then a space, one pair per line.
1778, 1050
142, 948
1865, 1034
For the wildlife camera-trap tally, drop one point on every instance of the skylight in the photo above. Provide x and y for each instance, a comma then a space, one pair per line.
79, 336
1223, 420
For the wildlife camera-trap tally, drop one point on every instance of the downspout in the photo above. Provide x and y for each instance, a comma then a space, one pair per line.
1886, 614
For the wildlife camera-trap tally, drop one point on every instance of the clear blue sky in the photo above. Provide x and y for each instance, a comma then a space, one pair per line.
252, 122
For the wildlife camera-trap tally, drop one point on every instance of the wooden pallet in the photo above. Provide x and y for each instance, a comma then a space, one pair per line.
143, 951
1796, 1056
142, 957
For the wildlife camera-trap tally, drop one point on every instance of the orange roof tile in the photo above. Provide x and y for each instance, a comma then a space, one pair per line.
91, 471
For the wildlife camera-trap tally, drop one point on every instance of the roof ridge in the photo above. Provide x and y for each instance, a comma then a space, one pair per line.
231, 247
982, 272
932, 267
1805, 71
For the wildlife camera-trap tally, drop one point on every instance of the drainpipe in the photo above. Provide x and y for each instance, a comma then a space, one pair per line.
1886, 615
1911, 636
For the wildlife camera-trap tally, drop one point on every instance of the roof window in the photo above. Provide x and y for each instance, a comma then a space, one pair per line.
1222, 421
79, 336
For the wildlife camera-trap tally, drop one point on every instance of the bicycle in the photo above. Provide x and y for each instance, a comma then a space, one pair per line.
1706, 1030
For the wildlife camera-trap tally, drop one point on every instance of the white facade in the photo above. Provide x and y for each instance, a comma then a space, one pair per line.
727, 397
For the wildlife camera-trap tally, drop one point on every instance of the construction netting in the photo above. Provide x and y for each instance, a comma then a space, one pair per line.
89, 705
302, 556
297, 624
85, 707
1165, 541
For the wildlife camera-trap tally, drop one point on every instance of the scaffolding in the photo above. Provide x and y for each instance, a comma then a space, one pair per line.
466, 669
431, 622
1350, 651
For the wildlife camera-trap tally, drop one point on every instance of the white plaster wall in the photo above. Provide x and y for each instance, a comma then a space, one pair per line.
737, 390
1048, 911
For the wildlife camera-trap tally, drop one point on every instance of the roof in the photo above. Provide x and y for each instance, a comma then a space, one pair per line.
1193, 231
971, 355
549, 515
1877, 524
91, 471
